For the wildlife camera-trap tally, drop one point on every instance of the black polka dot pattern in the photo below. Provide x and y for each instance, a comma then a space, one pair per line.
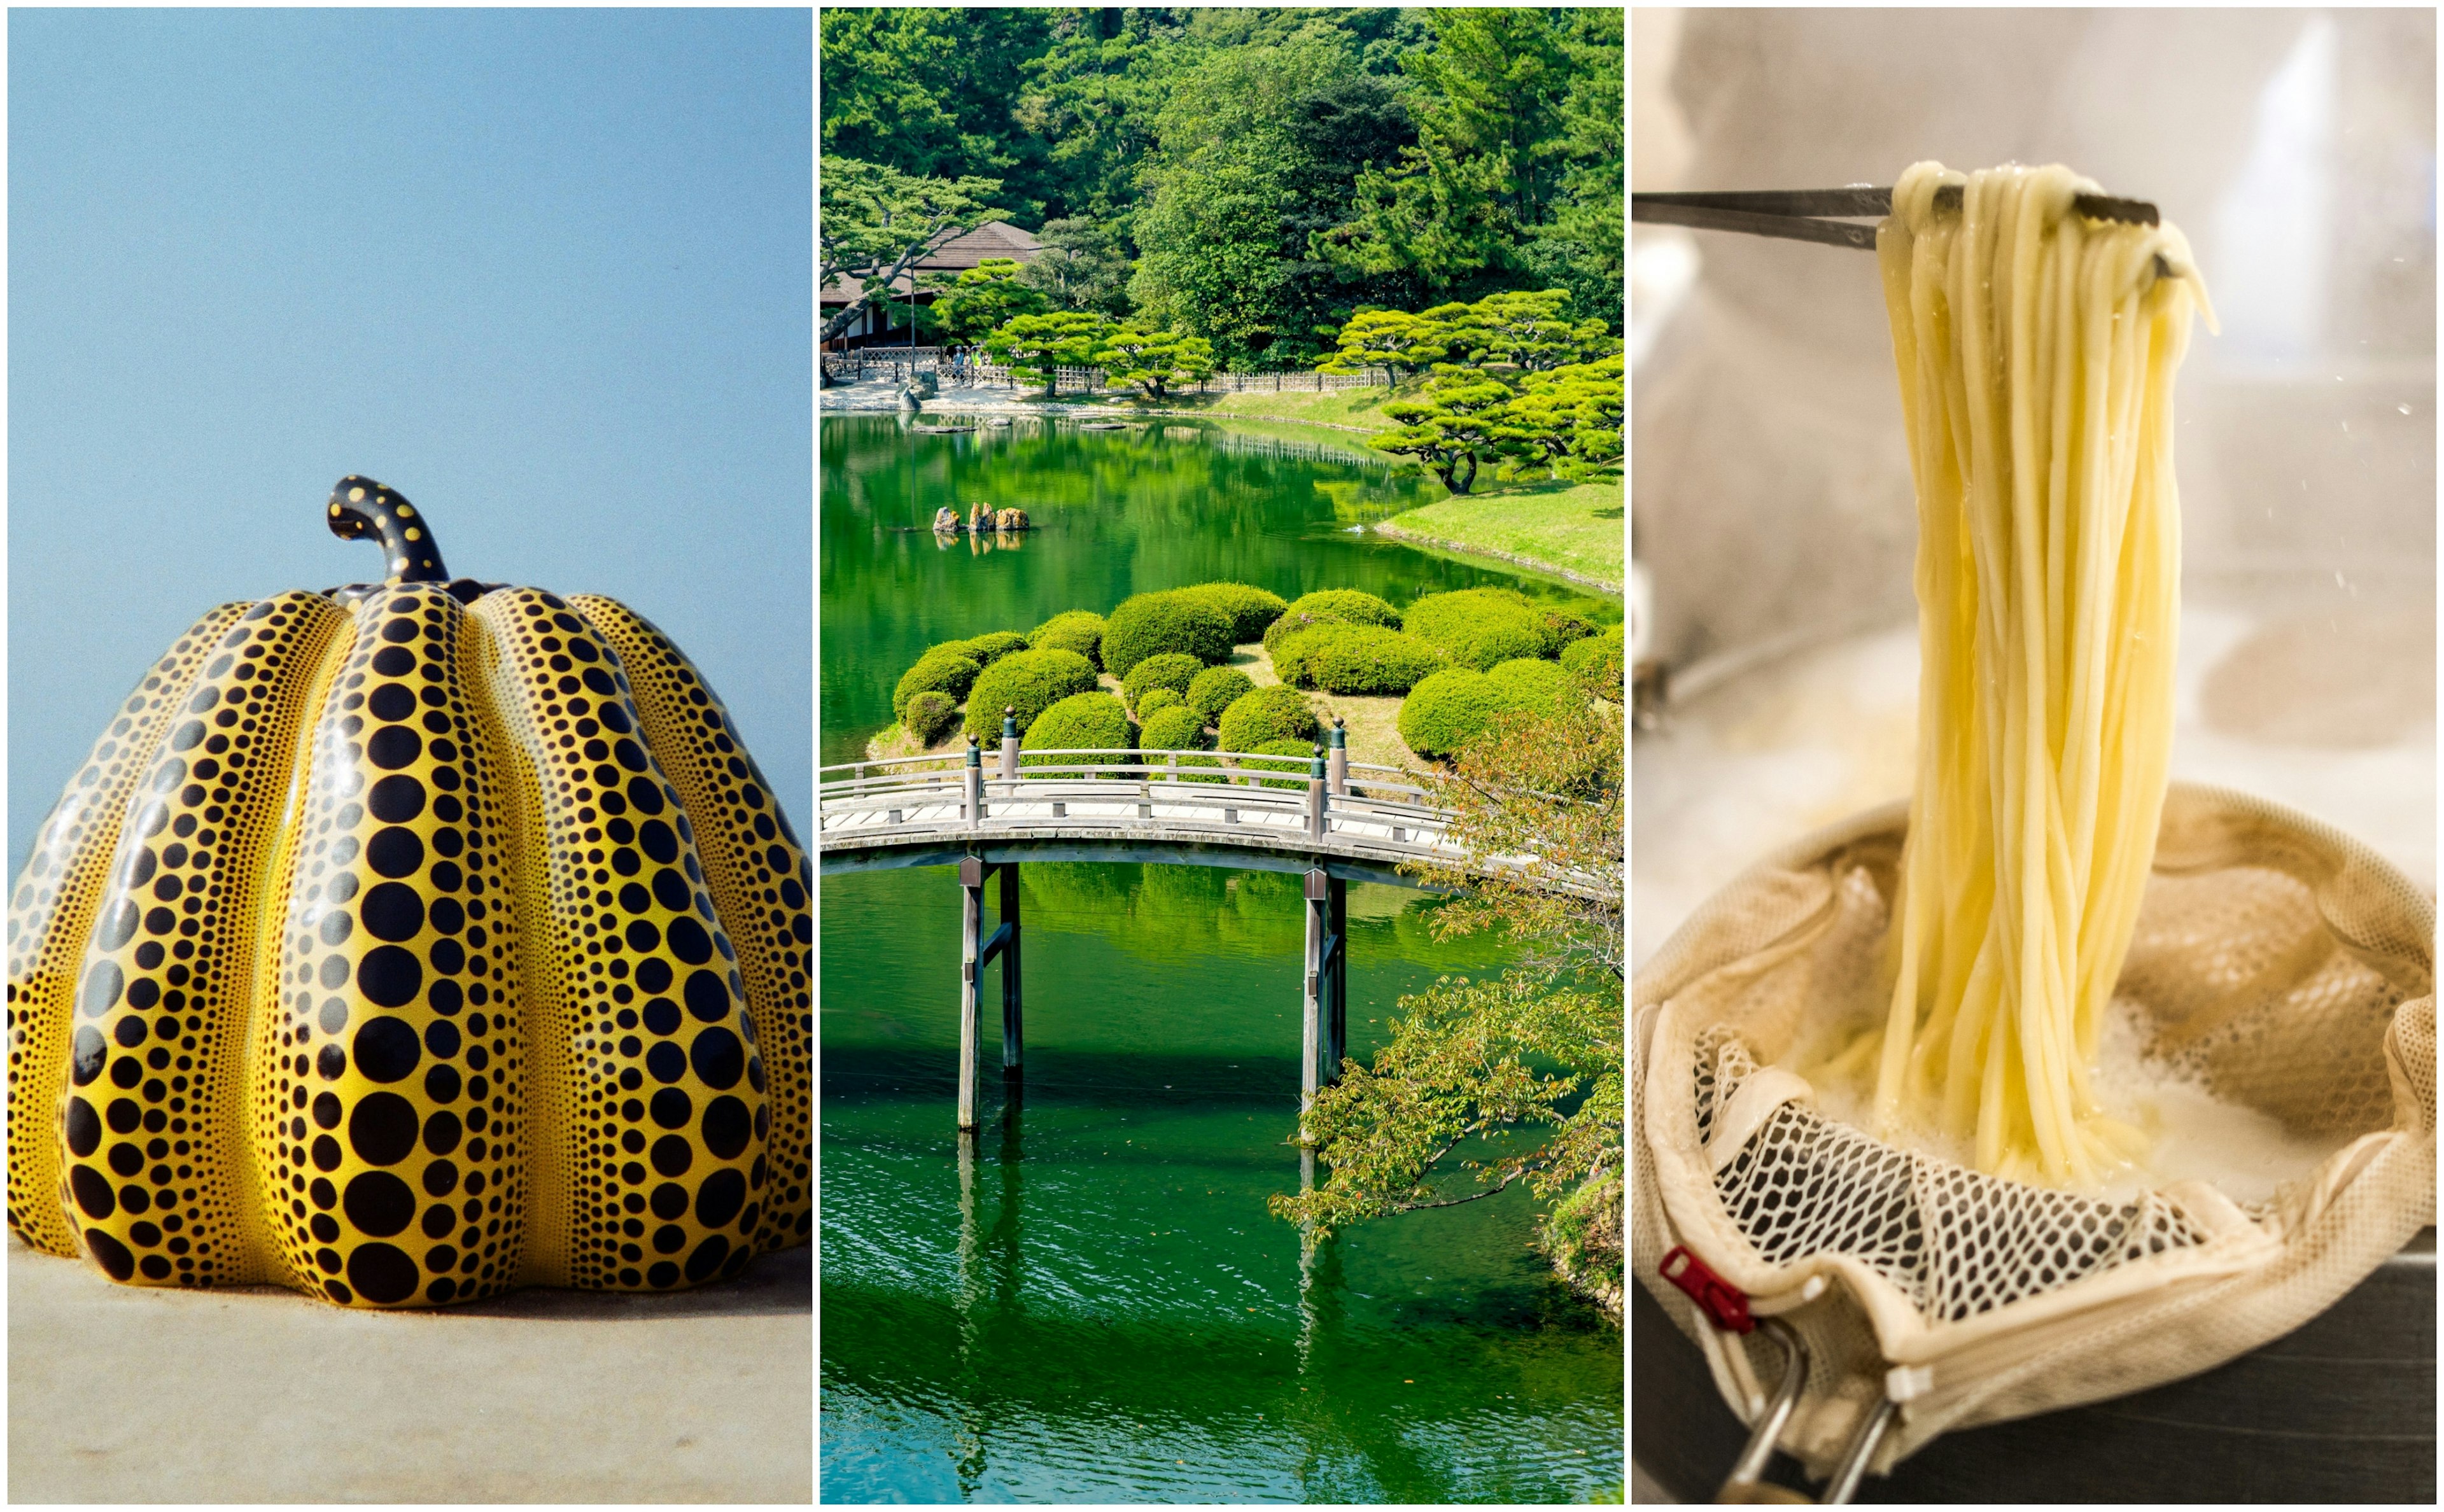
523, 951
762, 891
52, 915
170, 967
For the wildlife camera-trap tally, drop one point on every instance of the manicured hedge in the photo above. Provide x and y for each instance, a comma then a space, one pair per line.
1154, 700
1167, 669
1177, 728
1354, 659
1540, 687
1215, 688
1481, 627
1079, 629
1597, 663
930, 716
1450, 709
1267, 714
1249, 609
1033, 681
1331, 606
1152, 624
1080, 722
944, 669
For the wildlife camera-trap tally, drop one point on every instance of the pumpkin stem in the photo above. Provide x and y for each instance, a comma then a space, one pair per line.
362, 507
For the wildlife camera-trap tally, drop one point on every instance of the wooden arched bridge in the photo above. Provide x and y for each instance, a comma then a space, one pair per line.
1334, 819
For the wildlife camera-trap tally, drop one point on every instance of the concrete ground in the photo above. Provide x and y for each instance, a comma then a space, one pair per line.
124, 1393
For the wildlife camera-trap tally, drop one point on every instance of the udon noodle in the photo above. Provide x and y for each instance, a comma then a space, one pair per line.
2036, 350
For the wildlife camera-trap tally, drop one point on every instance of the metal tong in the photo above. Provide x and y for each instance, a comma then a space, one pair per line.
1814, 214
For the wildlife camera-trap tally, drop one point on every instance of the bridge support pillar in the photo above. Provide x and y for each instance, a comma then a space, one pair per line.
1012, 1034
1326, 1020
976, 951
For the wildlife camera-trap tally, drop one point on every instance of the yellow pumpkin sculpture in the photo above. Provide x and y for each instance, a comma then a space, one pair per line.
411, 942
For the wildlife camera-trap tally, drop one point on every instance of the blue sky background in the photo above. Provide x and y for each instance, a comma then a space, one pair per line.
545, 272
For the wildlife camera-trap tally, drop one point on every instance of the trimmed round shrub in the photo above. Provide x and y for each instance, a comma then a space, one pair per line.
1331, 606
1354, 659
1153, 623
1154, 700
1541, 687
1481, 627
1297, 763
994, 645
1216, 689
1168, 669
944, 669
1079, 629
1264, 714
1597, 663
1177, 728
930, 716
1031, 681
1249, 609
1080, 722
1450, 709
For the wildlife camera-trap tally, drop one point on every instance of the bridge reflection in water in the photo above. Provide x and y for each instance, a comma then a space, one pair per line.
991, 1277
1334, 819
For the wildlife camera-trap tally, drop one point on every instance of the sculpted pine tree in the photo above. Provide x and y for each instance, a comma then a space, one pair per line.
1035, 345
1449, 428
1155, 360
1566, 421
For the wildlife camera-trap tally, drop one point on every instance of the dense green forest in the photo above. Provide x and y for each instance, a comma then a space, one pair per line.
1254, 176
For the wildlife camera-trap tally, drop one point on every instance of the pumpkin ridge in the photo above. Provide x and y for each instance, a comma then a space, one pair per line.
51, 916
267, 1029
643, 1037
759, 881
155, 1135
398, 1191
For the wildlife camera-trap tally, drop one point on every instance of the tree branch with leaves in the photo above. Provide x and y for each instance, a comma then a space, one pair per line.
1488, 1084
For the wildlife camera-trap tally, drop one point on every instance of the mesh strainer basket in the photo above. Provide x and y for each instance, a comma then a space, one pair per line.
2283, 964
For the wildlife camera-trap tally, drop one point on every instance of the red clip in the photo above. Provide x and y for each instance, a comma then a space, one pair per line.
1724, 1302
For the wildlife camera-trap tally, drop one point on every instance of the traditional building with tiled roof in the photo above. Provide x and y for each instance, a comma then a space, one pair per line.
953, 255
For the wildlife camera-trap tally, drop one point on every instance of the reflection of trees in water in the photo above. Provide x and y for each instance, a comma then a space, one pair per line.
1160, 911
1012, 1366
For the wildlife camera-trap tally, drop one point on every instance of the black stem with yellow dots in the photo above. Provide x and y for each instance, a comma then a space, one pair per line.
362, 507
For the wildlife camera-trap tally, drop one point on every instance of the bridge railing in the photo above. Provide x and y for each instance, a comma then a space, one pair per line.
1261, 797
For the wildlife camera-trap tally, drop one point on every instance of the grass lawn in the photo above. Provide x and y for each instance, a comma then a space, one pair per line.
1354, 407
1575, 528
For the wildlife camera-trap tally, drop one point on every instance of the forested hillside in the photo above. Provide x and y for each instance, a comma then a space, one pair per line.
1254, 176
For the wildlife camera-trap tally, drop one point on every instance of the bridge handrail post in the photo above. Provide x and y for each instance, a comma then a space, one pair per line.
1340, 759
1010, 745
1316, 786
971, 801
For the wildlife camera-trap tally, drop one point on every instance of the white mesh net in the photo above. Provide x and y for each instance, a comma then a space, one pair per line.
2279, 962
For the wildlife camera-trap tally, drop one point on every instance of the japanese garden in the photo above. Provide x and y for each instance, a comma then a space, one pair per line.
1221, 549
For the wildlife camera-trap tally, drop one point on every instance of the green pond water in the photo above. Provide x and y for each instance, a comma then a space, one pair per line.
1088, 1302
